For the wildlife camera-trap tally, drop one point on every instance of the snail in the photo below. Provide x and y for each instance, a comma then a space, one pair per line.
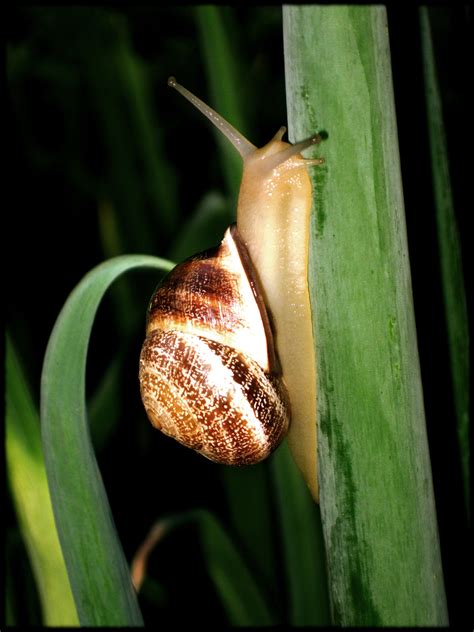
228, 355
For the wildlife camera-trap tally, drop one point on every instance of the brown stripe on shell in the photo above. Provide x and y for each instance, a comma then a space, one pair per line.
166, 410
197, 291
205, 386
214, 295
265, 392
200, 291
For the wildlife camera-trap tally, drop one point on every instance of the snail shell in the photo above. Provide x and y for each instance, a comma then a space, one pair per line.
208, 371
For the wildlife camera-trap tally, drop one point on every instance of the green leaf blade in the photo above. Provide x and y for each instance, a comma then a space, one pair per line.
377, 500
303, 545
97, 568
223, 76
450, 251
29, 486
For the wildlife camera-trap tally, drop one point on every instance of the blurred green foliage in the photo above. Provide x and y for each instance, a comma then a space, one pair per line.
30, 492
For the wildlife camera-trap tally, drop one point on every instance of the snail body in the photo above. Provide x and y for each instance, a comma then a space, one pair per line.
229, 331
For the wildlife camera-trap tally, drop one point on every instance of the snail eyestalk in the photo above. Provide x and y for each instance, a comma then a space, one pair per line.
243, 146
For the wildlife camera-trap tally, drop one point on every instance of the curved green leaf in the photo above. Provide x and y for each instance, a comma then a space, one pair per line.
97, 568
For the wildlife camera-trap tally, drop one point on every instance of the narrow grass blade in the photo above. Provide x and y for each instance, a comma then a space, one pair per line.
104, 404
226, 89
159, 179
240, 594
126, 308
450, 250
29, 488
97, 568
303, 545
138, 180
251, 515
377, 502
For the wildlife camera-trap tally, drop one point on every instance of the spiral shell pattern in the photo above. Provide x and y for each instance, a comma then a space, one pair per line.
207, 367
211, 398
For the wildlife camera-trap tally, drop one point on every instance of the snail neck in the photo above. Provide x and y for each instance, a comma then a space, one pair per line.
273, 209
